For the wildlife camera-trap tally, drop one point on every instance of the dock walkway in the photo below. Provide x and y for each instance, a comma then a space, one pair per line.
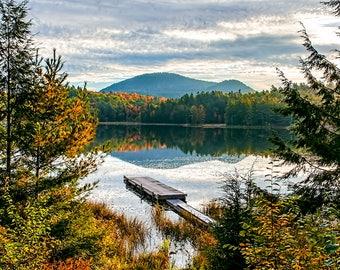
186, 210
162, 193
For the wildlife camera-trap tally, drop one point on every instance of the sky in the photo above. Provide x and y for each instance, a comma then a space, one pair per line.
107, 41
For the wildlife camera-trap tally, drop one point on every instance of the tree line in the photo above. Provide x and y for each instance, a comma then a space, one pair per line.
233, 109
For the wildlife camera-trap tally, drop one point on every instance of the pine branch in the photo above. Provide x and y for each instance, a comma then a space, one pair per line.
335, 5
331, 73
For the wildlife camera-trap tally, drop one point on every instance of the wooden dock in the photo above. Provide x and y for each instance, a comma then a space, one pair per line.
156, 191
189, 212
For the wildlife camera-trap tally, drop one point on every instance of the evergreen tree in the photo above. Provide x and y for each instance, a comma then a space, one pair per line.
316, 145
45, 128
17, 73
60, 123
240, 193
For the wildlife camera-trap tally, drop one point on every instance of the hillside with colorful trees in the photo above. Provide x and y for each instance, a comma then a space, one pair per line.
233, 109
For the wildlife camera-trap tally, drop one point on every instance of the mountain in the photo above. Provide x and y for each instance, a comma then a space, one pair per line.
230, 86
172, 85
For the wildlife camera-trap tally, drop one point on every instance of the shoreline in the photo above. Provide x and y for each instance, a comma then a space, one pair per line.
190, 125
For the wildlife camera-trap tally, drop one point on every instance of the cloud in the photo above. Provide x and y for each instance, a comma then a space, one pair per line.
105, 41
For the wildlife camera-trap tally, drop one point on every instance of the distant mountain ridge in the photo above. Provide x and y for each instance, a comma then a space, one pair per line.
173, 85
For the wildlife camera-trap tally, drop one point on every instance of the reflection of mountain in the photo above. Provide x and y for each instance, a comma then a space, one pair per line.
198, 141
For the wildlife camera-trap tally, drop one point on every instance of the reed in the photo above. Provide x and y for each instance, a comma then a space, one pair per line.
182, 231
130, 234
69, 264
213, 209
177, 231
121, 241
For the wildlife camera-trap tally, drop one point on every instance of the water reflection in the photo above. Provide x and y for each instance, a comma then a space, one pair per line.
189, 140
161, 151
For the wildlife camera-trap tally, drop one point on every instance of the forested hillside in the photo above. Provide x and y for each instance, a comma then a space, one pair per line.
233, 109
172, 85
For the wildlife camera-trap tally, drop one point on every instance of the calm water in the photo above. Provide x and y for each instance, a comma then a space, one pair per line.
173, 146
193, 160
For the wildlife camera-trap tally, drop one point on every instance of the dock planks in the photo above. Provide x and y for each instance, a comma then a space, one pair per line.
174, 198
154, 189
186, 210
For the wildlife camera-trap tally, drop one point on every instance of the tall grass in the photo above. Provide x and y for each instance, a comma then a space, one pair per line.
117, 242
213, 209
120, 243
178, 231
182, 231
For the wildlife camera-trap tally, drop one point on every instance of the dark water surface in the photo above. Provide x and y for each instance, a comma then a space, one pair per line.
175, 146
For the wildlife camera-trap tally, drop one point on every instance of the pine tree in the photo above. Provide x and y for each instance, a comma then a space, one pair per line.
45, 129
17, 74
58, 126
315, 148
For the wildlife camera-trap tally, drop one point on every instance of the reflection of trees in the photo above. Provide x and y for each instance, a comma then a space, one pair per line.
190, 140
247, 141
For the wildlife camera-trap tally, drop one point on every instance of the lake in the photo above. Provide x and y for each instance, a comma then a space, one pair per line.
193, 160
173, 146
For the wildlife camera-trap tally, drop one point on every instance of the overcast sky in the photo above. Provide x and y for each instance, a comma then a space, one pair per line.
107, 41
